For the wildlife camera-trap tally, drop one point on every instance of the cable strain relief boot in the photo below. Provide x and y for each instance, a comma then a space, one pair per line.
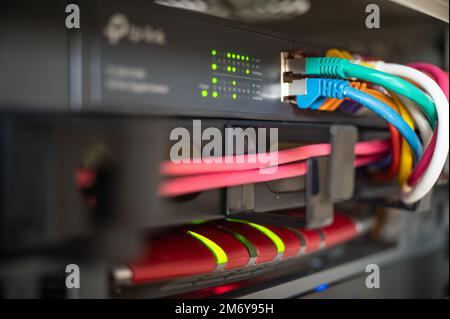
333, 88
326, 66
319, 88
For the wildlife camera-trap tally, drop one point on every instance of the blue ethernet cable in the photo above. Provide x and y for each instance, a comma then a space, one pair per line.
318, 88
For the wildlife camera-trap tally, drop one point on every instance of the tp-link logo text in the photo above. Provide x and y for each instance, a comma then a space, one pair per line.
119, 28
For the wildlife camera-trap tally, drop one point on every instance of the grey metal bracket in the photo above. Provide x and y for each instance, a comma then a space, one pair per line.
240, 199
341, 179
319, 207
330, 179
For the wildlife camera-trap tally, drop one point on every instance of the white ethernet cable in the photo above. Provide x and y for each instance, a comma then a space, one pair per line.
420, 120
439, 157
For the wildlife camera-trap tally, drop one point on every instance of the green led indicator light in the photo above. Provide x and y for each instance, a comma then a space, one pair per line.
233, 56
215, 94
221, 256
234, 96
214, 80
247, 58
213, 52
242, 58
204, 93
234, 82
229, 68
247, 71
238, 56
234, 69
214, 66
228, 55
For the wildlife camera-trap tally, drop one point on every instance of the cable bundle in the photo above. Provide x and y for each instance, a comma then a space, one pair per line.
405, 96
197, 177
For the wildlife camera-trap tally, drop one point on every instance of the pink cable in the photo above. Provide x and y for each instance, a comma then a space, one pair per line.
441, 79
422, 166
241, 162
192, 184
437, 73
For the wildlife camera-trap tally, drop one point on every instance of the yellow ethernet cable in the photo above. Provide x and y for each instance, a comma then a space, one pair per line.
406, 158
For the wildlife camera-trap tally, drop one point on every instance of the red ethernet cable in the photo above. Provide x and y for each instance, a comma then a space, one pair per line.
242, 162
197, 183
